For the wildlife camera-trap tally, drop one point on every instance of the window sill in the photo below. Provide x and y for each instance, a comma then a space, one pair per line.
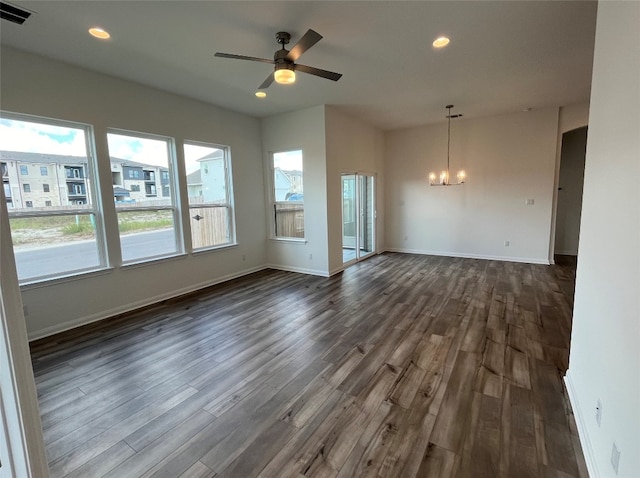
61, 279
202, 250
292, 240
153, 260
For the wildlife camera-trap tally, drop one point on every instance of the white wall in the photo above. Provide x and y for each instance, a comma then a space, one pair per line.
605, 344
21, 444
508, 159
352, 146
573, 116
35, 85
305, 130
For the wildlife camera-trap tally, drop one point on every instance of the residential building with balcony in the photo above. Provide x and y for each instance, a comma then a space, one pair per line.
47, 180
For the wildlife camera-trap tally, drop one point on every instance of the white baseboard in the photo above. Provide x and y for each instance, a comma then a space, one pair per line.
526, 260
104, 314
301, 270
583, 433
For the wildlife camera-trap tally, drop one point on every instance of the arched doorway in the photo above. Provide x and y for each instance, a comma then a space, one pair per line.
570, 184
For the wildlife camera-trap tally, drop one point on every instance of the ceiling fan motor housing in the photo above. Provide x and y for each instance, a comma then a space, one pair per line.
283, 38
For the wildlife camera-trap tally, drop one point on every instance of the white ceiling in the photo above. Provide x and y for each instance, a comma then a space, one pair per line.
504, 56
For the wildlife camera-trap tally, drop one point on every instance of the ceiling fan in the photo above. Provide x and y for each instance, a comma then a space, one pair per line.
285, 60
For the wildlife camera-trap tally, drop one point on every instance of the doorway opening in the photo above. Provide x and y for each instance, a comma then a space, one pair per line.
358, 217
569, 205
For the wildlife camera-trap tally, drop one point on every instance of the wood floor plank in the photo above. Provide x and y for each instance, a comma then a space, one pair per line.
400, 366
100, 464
437, 461
451, 419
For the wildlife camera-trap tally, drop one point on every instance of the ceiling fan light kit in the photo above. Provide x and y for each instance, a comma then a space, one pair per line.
284, 60
284, 75
444, 178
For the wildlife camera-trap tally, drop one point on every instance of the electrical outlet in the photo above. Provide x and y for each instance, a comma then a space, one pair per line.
599, 412
244, 258
310, 256
507, 243
25, 310
529, 202
615, 457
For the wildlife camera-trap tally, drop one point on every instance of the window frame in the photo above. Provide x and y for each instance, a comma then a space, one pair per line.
92, 185
229, 203
178, 225
273, 203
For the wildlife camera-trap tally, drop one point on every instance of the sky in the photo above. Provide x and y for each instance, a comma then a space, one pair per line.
38, 138
288, 160
24, 136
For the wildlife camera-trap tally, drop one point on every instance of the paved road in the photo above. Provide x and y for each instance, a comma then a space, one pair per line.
48, 260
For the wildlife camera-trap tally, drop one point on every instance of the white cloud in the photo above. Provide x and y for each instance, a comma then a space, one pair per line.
37, 138
288, 160
142, 150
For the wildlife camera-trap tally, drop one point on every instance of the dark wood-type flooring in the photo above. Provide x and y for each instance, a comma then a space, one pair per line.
401, 366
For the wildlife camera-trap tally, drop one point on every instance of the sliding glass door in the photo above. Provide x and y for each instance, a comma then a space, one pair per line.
358, 216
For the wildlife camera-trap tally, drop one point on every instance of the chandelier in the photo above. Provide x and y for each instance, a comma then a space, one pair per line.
444, 179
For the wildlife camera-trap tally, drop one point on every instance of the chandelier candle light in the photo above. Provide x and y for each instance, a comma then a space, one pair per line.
444, 175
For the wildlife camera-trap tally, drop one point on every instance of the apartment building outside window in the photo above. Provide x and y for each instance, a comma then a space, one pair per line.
53, 233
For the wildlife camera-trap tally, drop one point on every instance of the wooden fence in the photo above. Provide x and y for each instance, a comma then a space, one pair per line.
209, 226
289, 220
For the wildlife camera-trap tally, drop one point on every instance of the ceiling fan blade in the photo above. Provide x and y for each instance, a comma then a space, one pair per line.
265, 84
307, 41
242, 57
329, 75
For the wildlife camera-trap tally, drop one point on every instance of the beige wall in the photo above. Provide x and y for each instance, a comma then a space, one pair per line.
305, 130
352, 146
508, 159
60, 91
604, 363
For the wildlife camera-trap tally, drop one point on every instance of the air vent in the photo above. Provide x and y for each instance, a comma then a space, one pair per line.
13, 14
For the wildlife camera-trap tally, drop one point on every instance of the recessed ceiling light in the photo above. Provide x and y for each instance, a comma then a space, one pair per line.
261, 94
99, 33
441, 42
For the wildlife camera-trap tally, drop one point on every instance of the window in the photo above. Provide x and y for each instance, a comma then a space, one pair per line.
26, 188
24, 170
155, 217
68, 226
45, 188
135, 188
44, 171
134, 174
288, 194
210, 194
74, 172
